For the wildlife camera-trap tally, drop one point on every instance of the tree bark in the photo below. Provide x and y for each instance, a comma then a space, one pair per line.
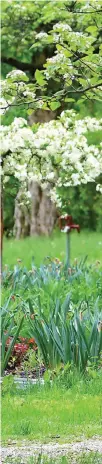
43, 213
22, 219
41, 216
41, 116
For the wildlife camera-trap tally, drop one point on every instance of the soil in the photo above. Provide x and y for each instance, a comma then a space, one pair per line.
30, 374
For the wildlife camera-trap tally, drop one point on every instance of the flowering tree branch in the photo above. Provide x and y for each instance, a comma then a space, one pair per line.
73, 43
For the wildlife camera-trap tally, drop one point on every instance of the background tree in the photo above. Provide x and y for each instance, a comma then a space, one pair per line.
56, 155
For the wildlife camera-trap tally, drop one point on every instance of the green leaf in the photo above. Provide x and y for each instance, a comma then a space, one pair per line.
54, 105
64, 50
69, 100
100, 50
82, 81
39, 77
81, 100
95, 80
68, 81
30, 111
92, 29
45, 107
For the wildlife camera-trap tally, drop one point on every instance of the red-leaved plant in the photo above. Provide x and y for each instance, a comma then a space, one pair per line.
20, 349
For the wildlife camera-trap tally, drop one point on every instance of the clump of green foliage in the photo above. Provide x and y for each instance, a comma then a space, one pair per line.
62, 311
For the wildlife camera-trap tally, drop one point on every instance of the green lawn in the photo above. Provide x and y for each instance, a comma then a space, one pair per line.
44, 419
44, 413
85, 243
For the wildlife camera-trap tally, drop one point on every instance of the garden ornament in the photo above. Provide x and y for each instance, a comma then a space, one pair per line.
66, 225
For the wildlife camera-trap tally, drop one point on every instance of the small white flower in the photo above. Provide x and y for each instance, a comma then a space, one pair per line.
99, 188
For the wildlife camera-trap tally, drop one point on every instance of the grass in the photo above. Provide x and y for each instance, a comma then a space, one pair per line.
87, 243
44, 413
82, 458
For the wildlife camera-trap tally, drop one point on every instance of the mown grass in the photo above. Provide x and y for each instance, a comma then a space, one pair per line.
53, 412
86, 243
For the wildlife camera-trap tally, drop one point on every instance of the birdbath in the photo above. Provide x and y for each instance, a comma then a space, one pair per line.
66, 225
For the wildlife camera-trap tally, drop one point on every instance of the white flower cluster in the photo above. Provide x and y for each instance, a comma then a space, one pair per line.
99, 188
68, 42
16, 73
59, 57
65, 32
58, 154
59, 63
62, 27
3, 106
29, 94
41, 35
91, 5
14, 87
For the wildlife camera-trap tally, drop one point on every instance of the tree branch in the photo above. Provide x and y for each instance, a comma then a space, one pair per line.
73, 90
91, 87
20, 64
85, 12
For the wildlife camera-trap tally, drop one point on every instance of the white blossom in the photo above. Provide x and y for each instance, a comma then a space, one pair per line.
58, 153
41, 35
57, 58
62, 26
99, 188
15, 73
50, 176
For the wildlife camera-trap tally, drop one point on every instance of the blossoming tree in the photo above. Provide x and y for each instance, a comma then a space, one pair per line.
60, 50
57, 153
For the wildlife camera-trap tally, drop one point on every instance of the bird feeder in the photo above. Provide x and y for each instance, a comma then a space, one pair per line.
66, 225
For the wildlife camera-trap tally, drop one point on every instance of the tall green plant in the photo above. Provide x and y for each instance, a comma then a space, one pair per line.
7, 324
66, 336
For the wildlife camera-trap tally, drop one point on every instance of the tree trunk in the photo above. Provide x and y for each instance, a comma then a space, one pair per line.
40, 218
43, 214
41, 116
43, 211
22, 219
47, 214
36, 195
